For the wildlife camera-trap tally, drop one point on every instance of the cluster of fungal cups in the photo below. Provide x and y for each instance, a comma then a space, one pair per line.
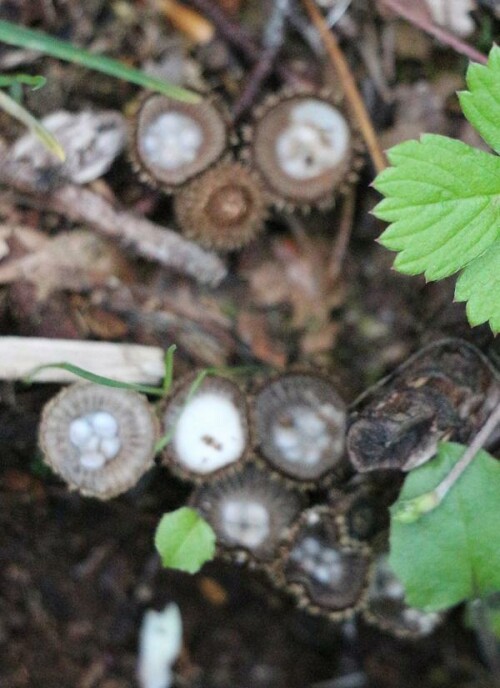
272, 467
298, 151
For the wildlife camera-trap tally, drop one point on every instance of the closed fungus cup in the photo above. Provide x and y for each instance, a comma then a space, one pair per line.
299, 423
326, 572
172, 142
222, 209
208, 426
305, 149
100, 440
362, 509
386, 608
249, 512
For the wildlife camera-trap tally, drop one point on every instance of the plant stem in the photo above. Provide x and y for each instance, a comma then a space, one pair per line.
273, 40
477, 443
411, 510
436, 31
351, 90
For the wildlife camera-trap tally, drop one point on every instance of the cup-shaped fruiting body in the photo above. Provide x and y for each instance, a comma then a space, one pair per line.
249, 512
173, 142
386, 607
304, 147
299, 423
208, 426
446, 391
222, 209
326, 572
363, 508
100, 440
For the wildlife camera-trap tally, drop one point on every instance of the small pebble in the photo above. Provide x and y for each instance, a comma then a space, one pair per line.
104, 424
110, 447
80, 431
92, 460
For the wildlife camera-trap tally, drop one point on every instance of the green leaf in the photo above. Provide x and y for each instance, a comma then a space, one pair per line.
479, 285
453, 552
184, 540
481, 103
443, 200
36, 40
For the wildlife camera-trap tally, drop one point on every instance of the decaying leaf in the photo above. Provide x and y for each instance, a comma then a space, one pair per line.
91, 141
297, 274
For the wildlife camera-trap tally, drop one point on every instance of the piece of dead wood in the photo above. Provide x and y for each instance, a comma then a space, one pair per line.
124, 362
145, 238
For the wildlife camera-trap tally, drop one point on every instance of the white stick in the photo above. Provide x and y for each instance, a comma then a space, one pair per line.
124, 362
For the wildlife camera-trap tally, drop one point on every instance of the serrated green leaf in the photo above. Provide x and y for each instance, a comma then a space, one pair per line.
184, 540
481, 103
479, 285
452, 553
443, 200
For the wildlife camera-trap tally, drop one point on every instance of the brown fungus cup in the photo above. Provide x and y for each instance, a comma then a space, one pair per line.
304, 147
299, 423
172, 142
249, 512
326, 572
222, 209
99, 440
386, 608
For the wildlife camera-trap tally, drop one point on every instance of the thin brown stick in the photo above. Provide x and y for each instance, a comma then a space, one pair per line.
146, 238
351, 90
235, 35
436, 31
339, 247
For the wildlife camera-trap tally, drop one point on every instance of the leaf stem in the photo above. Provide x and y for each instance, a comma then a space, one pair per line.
477, 443
410, 510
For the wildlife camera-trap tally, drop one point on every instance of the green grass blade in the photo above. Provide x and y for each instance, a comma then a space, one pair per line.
13, 108
97, 379
36, 40
35, 82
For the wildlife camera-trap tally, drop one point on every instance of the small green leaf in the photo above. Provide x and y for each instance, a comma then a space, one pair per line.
443, 200
184, 540
479, 285
481, 103
452, 553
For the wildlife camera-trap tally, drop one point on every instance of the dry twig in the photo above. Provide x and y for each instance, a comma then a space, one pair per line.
146, 238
